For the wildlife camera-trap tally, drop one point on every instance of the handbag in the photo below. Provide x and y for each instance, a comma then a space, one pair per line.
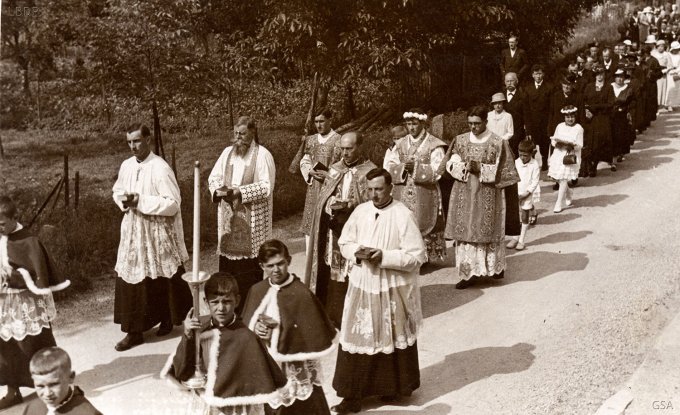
569, 159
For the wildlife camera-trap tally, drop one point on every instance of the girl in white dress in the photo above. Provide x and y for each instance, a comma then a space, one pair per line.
568, 139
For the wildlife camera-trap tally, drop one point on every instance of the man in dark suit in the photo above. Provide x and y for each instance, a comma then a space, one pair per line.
559, 99
610, 63
536, 106
514, 106
514, 59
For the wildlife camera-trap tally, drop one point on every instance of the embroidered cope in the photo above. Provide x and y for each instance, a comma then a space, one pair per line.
242, 226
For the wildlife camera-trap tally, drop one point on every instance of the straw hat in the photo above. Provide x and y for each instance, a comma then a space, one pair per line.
660, 42
647, 10
675, 45
651, 40
497, 97
627, 42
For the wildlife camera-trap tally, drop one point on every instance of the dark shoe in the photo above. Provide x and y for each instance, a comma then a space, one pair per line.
592, 173
347, 406
130, 341
573, 183
164, 329
533, 219
613, 167
10, 400
389, 398
501, 274
619, 159
463, 284
556, 186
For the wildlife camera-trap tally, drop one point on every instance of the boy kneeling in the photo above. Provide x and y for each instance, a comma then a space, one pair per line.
241, 376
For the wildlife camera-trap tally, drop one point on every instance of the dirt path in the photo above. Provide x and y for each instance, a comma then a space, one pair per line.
572, 320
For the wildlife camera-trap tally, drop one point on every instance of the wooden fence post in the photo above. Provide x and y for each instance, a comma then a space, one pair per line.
66, 189
2, 150
76, 191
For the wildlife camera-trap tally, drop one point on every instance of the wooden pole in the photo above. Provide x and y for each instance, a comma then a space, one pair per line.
174, 166
76, 190
47, 200
66, 189
2, 150
56, 200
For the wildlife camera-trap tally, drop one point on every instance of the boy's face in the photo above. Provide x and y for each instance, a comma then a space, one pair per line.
222, 307
524, 156
7, 225
53, 387
276, 269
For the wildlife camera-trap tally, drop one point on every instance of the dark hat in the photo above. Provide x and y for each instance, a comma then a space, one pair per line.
598, 67
568, 79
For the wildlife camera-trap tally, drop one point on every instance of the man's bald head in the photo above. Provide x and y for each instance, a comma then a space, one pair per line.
350, 144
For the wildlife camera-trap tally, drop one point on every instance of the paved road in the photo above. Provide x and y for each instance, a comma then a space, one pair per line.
573, 319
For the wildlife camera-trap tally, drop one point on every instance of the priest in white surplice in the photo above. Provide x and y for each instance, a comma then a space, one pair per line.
242, 184
151, 253
379, 354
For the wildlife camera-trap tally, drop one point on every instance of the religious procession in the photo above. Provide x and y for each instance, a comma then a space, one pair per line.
253, 334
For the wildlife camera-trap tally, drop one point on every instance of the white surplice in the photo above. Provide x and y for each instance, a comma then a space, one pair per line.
151, 235
382, 306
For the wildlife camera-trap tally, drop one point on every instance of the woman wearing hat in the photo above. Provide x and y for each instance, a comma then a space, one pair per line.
598, 101
673, 92
664, 59
622, 130
500, 123
567, 141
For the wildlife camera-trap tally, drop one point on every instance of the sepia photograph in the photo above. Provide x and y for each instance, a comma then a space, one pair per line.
316, 207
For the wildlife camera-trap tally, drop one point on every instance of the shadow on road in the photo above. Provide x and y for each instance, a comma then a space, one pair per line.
440, 298
599, 201
536, 265
645, 144
560, 237
121, 370
435, 409
458, 370
554, 219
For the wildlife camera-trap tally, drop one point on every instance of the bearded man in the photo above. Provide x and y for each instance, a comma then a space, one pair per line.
242, 184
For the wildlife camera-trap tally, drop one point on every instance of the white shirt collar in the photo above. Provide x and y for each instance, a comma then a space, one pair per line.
278, 287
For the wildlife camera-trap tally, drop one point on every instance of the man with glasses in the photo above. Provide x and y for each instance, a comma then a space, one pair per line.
482, 165
242, 184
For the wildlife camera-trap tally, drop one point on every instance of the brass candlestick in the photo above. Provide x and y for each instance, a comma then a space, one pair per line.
199, 378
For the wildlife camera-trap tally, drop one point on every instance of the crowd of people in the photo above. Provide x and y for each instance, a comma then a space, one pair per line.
368, 231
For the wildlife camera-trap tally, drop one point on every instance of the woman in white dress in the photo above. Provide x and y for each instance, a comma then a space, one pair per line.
673, 92
567, 140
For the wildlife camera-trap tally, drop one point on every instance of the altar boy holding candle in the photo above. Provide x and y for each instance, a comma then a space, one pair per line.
241, 375
293, 323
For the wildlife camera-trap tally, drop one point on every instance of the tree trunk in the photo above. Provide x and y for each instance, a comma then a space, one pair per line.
322, 95
37, 100
27, 80
158, 141
350, 108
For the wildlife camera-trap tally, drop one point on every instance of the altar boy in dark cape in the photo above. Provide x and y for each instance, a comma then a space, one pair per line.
27, 280
293, 323
241, 376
